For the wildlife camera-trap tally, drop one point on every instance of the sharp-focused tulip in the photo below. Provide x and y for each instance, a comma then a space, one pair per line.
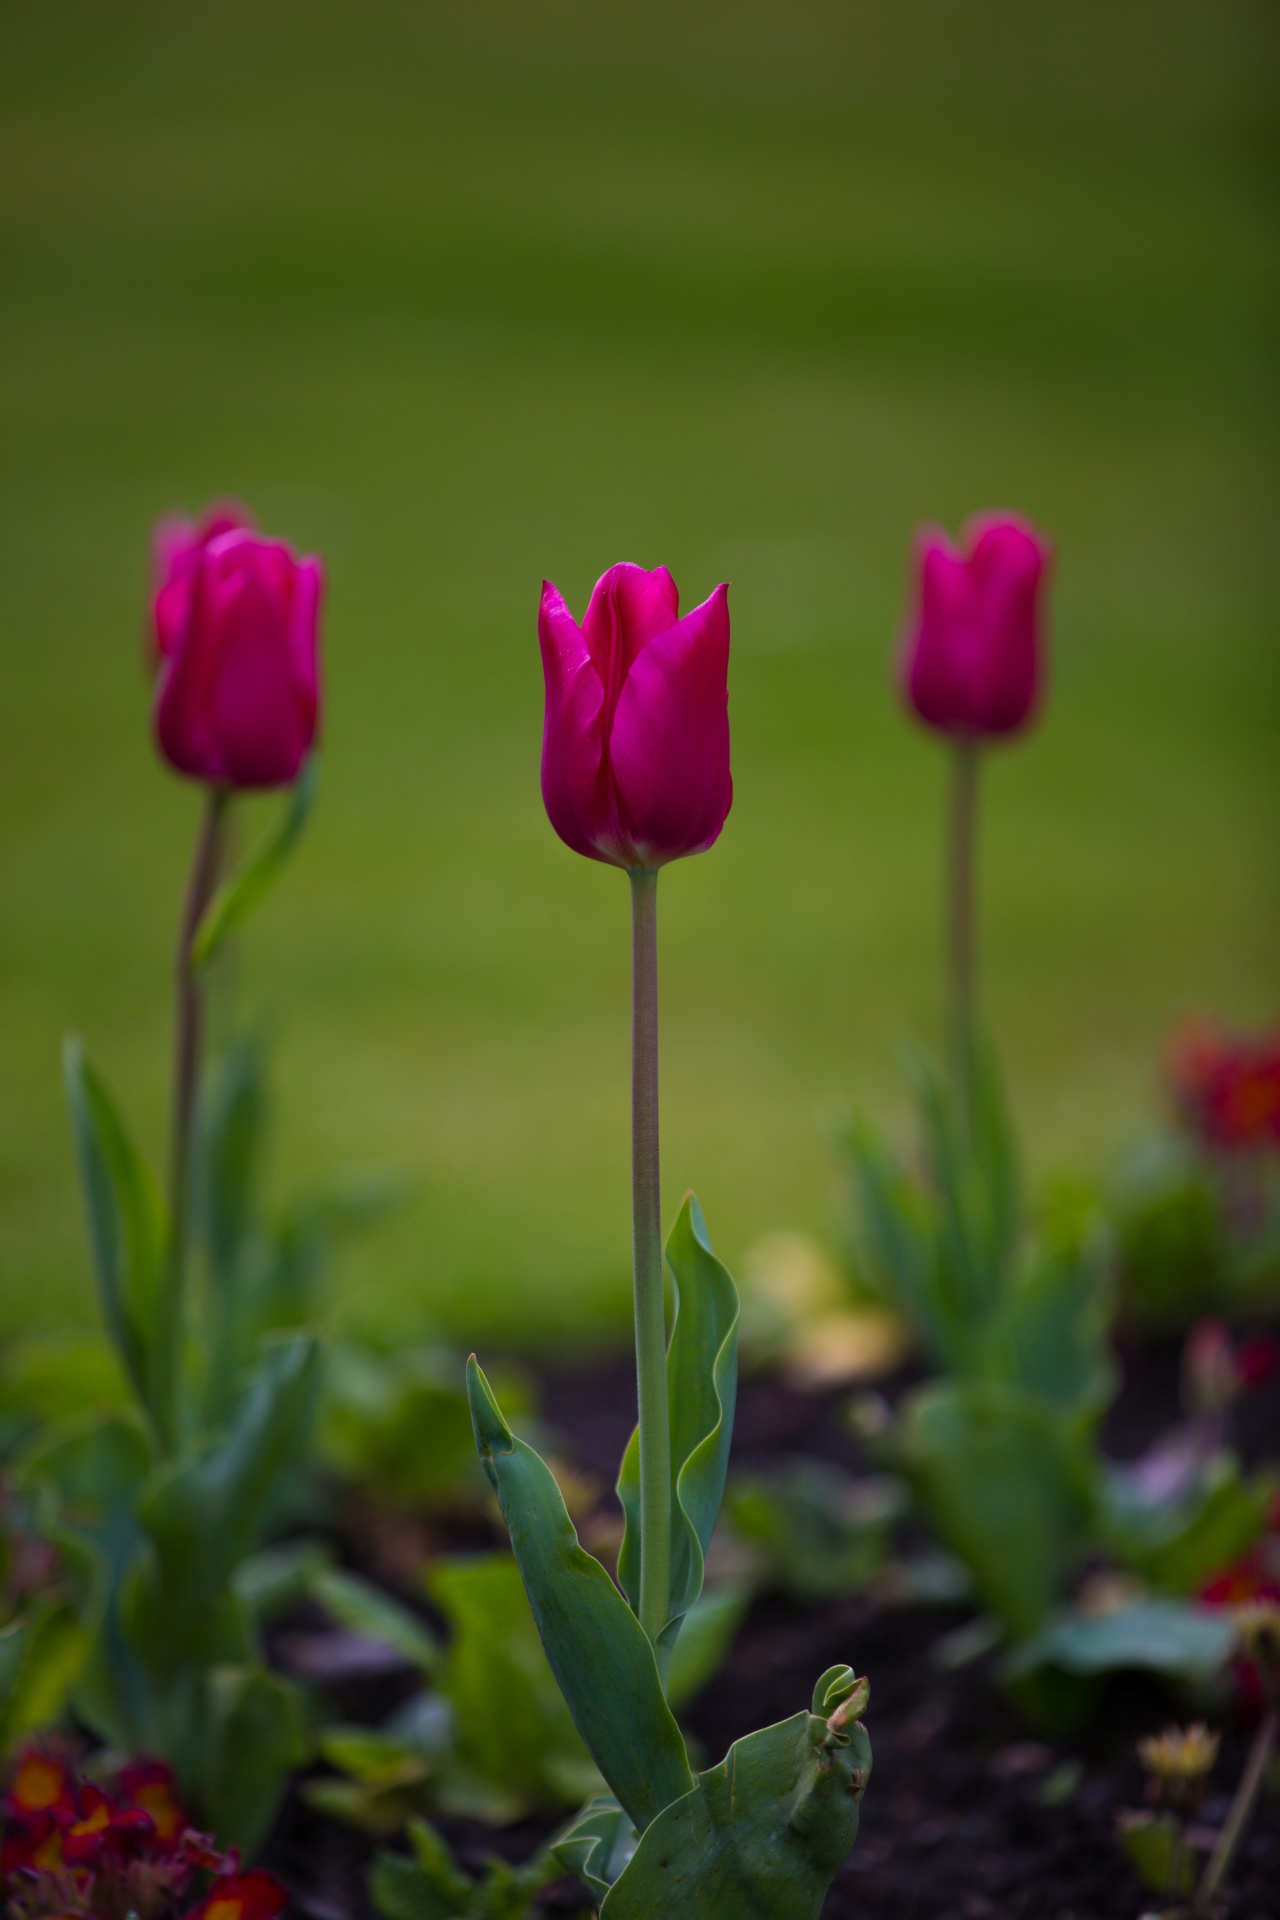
972, 662
237, 634
635, 745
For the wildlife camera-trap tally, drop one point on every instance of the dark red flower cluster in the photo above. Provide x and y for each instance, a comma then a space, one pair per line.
1226, 1086
72, 1849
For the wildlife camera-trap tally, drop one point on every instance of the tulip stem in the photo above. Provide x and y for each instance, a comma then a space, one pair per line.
961, 864
186, 1076
650, 1306
1241, 1808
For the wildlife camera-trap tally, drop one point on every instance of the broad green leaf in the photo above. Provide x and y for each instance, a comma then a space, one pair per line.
1006, 1479
512, 1729
373, 1614
763, 1834
597, 1649
240, 893
705, 1638
256, 1736
702, 1382
126, 1221
202, 1514
1159, 1636
1051, 1334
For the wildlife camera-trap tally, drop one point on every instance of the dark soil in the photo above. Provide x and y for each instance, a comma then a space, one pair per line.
960, 1820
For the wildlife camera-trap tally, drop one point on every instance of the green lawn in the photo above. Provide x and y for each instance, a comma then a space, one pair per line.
465, 295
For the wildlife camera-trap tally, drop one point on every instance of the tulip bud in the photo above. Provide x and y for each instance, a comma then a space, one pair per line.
635, 744
237, 634
971, 662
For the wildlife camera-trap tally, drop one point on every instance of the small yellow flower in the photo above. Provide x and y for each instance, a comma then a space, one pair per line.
1179, 1754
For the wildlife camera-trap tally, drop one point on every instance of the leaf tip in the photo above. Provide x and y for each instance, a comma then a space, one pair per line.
492, 1433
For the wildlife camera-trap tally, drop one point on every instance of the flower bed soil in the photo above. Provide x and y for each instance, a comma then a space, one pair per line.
954, 1824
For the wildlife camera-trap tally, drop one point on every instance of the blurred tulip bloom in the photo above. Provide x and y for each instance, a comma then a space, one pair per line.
176, 546
635, 745
236, 621
972, 661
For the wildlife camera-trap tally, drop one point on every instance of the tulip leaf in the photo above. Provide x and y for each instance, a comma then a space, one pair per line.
241, 891
1006, 1479
255, 1736
596, 1648
702, 1381
126, 1220
705, 1638
202, 1512
1154, 1635
764, 1833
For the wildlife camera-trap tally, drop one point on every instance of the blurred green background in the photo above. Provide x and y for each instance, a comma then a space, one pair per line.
465, 295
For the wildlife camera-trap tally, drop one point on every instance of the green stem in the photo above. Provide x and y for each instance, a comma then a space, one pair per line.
186, 1077
961, 861
1241, 1808
646, 1215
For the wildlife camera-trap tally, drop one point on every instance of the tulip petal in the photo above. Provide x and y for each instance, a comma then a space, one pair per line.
1006, 567
574, 789
669, 748
629, 607
260, 716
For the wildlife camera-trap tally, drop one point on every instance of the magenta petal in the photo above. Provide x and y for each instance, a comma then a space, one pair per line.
574, 790
669, 748
629, 606
932, 663
1007, 566
258, 715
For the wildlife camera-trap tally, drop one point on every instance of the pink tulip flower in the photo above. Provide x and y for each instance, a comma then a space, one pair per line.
972, 660
238, 685
176, 546
635, 745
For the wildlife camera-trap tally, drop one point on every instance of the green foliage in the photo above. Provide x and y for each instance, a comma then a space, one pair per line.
597, 1649
766, 1830
173, 1664
705, 1638
515, 1746
257, 873
1158, 1635
1194, 1235
1006, 1479
427, 1885
1178, 1541
127, 1228
762, 1834
1156, 1849
398, 1425
702, 1381
817, 1532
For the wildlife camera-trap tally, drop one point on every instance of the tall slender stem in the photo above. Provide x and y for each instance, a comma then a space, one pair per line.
961, 865
1241, 1808
186, 1073
646, 1216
